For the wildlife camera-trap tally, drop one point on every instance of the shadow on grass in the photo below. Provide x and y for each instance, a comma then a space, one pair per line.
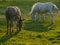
37, 26
6, 38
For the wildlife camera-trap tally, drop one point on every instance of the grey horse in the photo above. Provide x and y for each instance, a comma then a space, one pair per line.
12, 14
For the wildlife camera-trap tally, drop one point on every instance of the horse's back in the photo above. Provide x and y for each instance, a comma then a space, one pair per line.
39, 4
43, 5
12, 12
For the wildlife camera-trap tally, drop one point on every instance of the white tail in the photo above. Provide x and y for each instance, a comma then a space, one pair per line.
55, 7
57, 10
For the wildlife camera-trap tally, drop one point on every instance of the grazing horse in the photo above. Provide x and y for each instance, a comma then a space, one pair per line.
13, 13
42, 8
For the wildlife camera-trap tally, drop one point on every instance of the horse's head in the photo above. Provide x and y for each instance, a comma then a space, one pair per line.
32, 16
21, 22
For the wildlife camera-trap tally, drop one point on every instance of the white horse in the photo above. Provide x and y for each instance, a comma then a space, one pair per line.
42, 8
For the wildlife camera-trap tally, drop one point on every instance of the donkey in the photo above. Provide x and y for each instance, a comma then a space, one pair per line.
42, 8
12, 14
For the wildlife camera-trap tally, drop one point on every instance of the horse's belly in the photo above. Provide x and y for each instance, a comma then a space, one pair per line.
43, 11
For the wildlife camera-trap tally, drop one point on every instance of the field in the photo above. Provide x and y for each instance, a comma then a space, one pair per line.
37, 33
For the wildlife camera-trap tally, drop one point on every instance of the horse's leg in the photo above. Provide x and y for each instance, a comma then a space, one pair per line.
17, 25
7, 26
44, 17
20, 25
52, 15
39, 17
11, 26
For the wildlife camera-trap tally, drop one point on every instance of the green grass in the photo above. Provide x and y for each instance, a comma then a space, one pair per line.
37, 33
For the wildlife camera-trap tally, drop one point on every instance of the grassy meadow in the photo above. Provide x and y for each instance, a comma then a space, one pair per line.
37, 33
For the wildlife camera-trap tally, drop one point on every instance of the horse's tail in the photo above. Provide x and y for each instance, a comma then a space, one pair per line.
55, 7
